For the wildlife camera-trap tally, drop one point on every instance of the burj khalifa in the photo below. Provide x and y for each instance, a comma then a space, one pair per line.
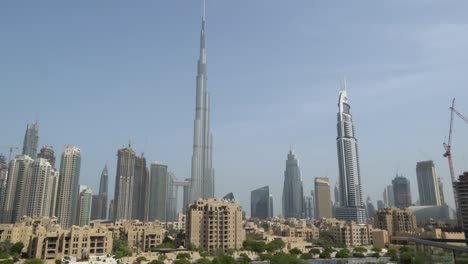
202, 180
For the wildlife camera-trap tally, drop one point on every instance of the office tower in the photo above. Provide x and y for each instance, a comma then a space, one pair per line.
370, 207
202, 181
84, 206
52, 192
293, 195
140, 186
171, 214
214, 225
337, 195
123, 194
428, 183
48, 153
31, 140
322, 198
401, 192
441, 192
16, 192
68, 187
37, 205
270, 207
229, 196
3, 180
159, 182
395, 220
461, 189
99, 201
111, 208
351, 204
260, 203
308, 207
390, 196
380, 204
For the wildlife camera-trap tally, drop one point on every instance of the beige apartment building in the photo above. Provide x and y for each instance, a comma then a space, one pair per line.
352, 234
215, 225
395, 220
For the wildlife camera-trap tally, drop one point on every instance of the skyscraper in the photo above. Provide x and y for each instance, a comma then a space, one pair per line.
337, 195
370, 207
99, 201
461, 188
31, 140
3, 180
52, 192
84, 206
39, 189
140, 185
390, 196
48, 153
202, 181
322, 198
401, 192
309, 207
123, 194
351, 203
159, 181
428, 183
68, 187
260, 203
293, 194
16, 192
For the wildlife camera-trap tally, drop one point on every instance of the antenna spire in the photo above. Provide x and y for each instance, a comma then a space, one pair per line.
204, 5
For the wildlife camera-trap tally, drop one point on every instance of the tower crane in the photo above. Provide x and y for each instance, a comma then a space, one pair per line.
448, 153
10, 149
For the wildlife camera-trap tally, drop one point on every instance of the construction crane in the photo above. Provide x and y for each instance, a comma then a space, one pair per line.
10, 149
448, 153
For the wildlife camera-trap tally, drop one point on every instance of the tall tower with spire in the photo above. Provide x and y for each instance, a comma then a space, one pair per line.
351, 205
202, 180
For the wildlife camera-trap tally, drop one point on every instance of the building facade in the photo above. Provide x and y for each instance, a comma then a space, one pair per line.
31, 140
351, 206
202, 180
401, 192
85, 202
428, 183
395, 220
323, 208
47, 152
260, 203
140, 189
99, 203
39, 196
68, 186
215, 225
461, 188
159, 183
123, 194
293, 194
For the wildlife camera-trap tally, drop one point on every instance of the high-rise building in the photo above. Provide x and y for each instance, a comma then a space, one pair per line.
270, 206
215, 225
337, 195
370, 207
260, 203
461, 189
171, 214
322, 198
390, 196
31, 140
111, 208
37, 205
52, 191
441, 191
123, 194
428, 183
3, 180
351, 206
202, 181
308, 207
159, 182
380, 204
84, 206
68, 187
99, 201
229, 196
401, 192
293, 194
17, 191
140, 189
47, 152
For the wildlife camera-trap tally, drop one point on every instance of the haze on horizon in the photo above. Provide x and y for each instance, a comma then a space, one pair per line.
99, 73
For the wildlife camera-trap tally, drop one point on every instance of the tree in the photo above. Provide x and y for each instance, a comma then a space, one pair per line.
167, 245
140, 259
360, 249
275, 245
17, 248
5, 246
376, 249
6, 261
203, 261
306, 256
252, 245
204, 254
34, 261
58, 261
282, 258
4, 255
183, 255
376, 255
344, 253
264, 257
295, 251
406, 258
244, 256
314, 251
358, 255
393, 254
162, 257
191, 247
223, 259
404, 249
325, 255
156, 262
181, 261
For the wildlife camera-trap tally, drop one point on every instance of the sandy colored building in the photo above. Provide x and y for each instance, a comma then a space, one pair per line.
380, 238
352, 234
395, 220
215, 225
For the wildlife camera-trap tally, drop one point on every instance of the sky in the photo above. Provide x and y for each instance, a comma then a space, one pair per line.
98, 73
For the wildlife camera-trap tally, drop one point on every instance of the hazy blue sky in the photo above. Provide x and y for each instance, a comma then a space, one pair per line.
100, 72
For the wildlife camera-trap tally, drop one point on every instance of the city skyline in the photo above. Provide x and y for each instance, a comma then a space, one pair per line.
244, 109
